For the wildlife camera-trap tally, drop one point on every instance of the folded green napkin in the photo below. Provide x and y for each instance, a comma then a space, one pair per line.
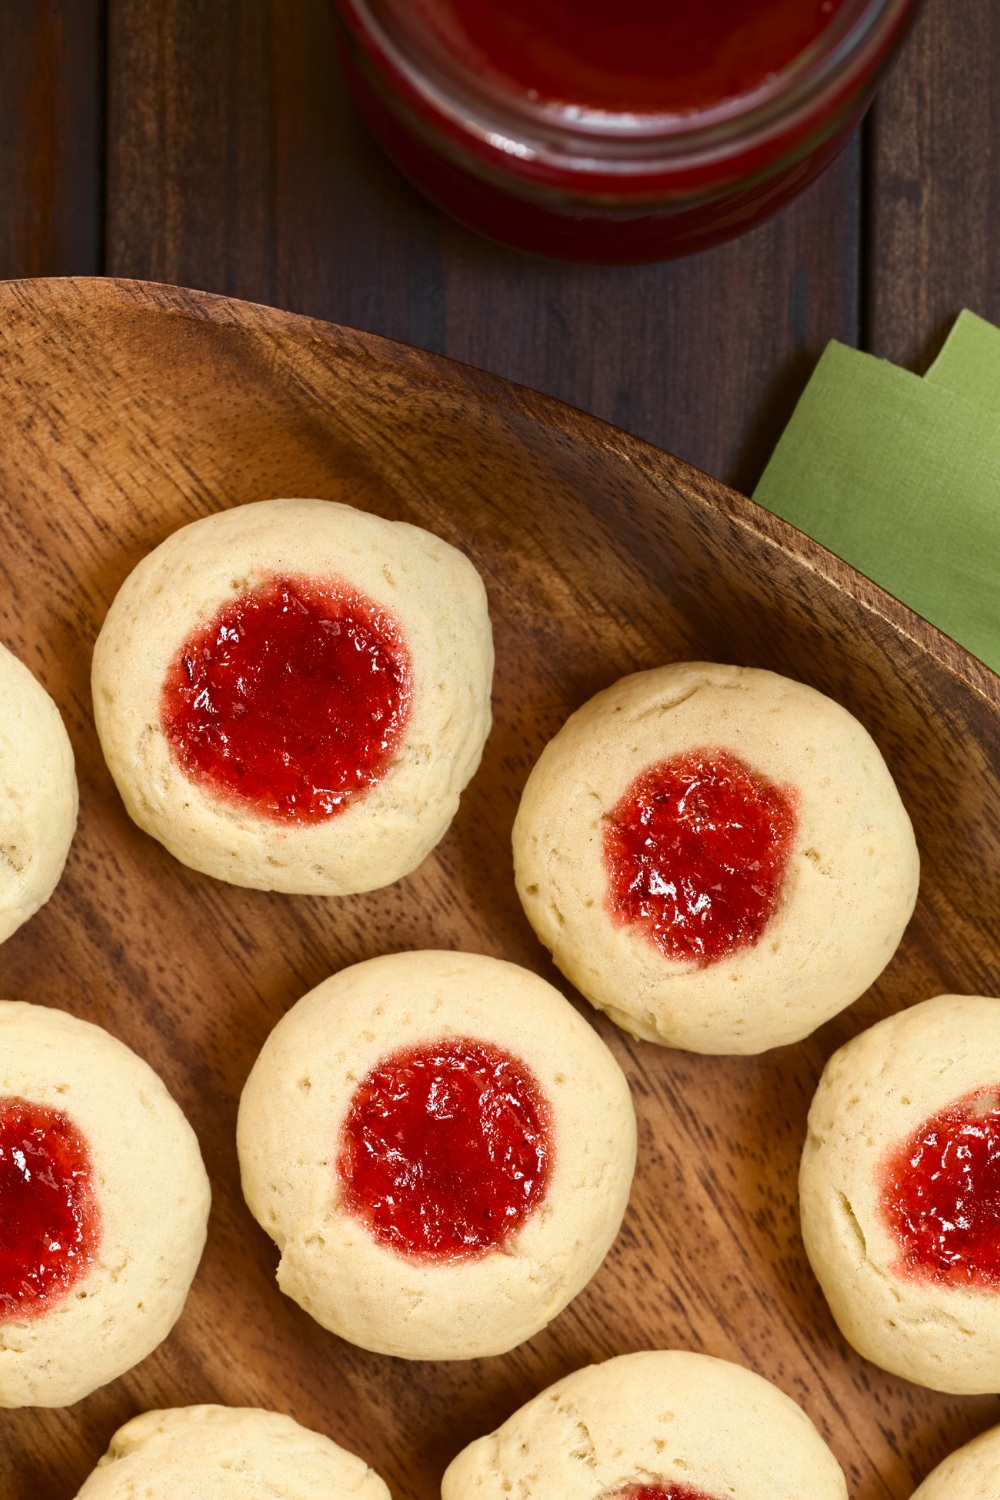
900, 476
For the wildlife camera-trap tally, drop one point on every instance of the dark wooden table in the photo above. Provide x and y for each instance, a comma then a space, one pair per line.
210, 143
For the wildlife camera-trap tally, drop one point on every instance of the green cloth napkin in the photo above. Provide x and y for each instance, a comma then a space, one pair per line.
900, 476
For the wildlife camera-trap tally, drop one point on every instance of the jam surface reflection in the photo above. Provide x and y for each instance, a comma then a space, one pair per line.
635, 57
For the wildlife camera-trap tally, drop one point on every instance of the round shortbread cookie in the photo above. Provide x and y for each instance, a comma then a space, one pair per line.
904, 1125
192, 700
503, 1122
970, 1473
227, 1453
684, 1425
38, 797
640, 926
98, 1167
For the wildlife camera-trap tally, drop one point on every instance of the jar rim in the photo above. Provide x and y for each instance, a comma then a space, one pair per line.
614, 142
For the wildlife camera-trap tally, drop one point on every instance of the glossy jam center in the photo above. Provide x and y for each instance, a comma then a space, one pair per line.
941, 1195
665, 1491
446, 1150
293, 699
49, 1222
695, 853
634, 56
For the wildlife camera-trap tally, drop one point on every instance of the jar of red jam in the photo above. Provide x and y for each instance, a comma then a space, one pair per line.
615, 130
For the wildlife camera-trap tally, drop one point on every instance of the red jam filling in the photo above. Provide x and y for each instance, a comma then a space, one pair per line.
446, 1150
49, 1223
634, 56
941, 1195
292, 700
696, 852
664, 1491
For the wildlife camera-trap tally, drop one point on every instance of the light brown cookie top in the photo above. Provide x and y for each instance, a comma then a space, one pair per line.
715, 856
38, 796
898, 1191
95, 1157
227, 1453
442, 1149
970, 1473
292, 694
662, 1418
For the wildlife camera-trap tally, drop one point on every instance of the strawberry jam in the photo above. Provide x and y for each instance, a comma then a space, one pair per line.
49, 1223
446, 1150
696, 852
292, 700
621, 131
941, 1195
664, 1491
636, 57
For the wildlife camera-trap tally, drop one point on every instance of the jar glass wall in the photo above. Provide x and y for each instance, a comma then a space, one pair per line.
574, 146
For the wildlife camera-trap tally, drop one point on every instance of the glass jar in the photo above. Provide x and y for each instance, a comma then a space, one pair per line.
608, 184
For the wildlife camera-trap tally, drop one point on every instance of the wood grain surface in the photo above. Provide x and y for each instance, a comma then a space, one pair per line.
128, 410
51, 137
935, 184
213, 145
236, 164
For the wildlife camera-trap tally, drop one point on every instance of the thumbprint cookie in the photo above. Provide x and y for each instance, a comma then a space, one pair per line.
660, 1425
715, 856
227, 1453
103, 1205
442, 1149
900, 1192
38, 797
292, 694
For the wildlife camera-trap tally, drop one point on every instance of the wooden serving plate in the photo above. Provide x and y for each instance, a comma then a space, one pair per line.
129, 409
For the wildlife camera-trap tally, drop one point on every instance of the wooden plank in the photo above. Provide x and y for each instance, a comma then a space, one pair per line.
237, 165
705, 356
935, 179
51, 137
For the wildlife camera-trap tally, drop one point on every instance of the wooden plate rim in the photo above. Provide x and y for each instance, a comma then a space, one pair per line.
667, 472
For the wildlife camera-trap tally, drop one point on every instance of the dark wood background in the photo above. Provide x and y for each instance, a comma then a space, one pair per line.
210, 143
